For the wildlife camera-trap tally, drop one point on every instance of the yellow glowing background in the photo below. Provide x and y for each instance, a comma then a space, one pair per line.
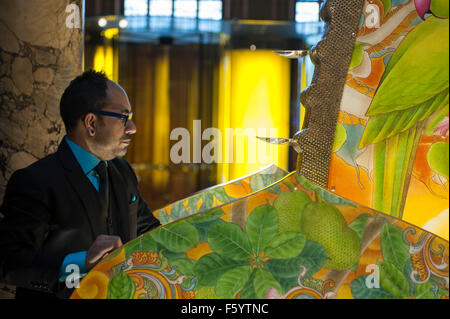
161, 121
106, 57
254, 93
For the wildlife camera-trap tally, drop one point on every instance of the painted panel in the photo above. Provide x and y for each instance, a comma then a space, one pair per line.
391, 145
289, 240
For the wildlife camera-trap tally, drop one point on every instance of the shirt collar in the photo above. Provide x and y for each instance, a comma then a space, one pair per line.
86, 159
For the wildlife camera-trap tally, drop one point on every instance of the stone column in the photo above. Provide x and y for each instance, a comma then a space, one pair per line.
41, 50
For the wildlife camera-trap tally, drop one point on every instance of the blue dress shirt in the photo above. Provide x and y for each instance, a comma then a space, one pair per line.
88, 162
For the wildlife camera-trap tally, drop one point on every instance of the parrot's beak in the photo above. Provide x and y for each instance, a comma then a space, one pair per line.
422, 7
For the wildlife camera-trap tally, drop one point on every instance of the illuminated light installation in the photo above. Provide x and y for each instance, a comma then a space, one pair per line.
106, 56
161, 123
102, 22
252, 95
123, 23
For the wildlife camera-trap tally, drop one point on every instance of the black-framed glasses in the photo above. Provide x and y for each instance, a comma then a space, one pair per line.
125, 117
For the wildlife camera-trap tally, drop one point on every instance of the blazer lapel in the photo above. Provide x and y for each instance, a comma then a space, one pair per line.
120, 196
83, 188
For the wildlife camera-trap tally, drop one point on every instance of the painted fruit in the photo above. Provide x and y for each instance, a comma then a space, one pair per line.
323, 223
289, 207
439, 8
437, 158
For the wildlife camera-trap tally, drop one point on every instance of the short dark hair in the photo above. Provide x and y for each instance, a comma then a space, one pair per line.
85, 93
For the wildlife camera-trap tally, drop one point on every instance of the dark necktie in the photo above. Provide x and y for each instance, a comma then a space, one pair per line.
104, 194
103, 184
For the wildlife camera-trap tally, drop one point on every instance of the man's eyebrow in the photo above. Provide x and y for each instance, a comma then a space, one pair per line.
125, 111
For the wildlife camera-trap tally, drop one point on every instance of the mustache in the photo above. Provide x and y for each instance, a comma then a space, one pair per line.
126, 137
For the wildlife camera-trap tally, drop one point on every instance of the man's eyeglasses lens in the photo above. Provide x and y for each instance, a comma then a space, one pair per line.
125, 117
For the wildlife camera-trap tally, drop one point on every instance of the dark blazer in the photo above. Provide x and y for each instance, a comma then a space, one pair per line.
51, 209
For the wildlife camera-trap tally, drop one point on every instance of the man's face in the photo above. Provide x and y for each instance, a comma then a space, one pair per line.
112, 137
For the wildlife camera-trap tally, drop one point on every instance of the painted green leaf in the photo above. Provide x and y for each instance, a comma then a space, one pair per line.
147, 243
286, 245
184, 265
121, 286
248, 292
393, 280
167, 255
386, 6
325, 195
284, 268
263, 282
143, 243
177, 237
260, 181
393, 248
425, 291
256, 183
417, 71
178, 211
434, 120
221, 195
286, 283
407, 273
359, 224
163, 217
231, 282
229, 240
340, 136
357, 55
207, 201
206, 216
380, 127
210, 267
262, 227
360, 290
288, 183
203, 229
312, 257
192, 204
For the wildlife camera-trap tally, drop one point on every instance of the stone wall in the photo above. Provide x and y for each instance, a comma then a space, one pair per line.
39, 55
41, 50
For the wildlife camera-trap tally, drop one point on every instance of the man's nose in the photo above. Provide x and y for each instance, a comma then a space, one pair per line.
130, 128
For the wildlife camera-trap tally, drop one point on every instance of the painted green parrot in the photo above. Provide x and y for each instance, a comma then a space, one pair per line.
412, 93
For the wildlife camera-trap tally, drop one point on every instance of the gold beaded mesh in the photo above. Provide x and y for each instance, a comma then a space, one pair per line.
322, 98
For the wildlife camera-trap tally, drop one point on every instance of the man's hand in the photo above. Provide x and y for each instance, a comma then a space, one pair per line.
102, 245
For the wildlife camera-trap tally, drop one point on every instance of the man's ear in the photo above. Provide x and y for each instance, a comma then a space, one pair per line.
90, 123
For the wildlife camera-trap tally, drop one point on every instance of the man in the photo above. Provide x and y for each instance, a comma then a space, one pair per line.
77, 205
